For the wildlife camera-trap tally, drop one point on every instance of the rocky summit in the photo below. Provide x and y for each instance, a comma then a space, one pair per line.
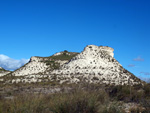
95, 64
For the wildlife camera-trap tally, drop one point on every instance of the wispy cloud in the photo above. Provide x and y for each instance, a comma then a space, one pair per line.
138, 59
146, 79
145, 73
131, 65
11, 64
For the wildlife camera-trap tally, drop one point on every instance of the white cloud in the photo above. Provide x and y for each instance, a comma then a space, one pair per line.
145, 73
131, 65
146, 79
11, 64
138, 59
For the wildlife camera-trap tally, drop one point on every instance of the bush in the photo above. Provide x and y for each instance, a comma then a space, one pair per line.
77, 100
126, 93
147, 90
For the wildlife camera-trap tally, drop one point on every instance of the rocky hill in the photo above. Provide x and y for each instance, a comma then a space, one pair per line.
37, 68
3, 72
41, 65
95, 64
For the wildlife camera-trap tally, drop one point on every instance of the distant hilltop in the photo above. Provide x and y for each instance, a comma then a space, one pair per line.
95, 64
3, 71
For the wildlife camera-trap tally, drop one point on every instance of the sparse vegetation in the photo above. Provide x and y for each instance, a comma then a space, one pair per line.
73, 98
49, 93
52, 64
52, 60
2, 70
75, 101
64, 56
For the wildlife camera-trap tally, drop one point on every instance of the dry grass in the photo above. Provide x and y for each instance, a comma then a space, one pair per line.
75, 101
85, 98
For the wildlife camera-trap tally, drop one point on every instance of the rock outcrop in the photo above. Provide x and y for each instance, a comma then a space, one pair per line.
41, 65
34, 66
95, 64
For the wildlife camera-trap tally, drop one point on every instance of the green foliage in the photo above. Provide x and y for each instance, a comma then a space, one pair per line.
147, 89
52, 64
126, 93
65, 51
76, 102
64, 56
2, 70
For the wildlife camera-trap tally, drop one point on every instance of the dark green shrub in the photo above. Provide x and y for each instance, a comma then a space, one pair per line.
146, 89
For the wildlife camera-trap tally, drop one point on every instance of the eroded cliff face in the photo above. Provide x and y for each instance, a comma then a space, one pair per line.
34, 66
95, 64
42, 65
38, 65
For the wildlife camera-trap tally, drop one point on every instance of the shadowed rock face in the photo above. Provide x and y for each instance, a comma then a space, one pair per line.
95, 64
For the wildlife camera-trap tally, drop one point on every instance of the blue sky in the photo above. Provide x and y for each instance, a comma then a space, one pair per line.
44, 27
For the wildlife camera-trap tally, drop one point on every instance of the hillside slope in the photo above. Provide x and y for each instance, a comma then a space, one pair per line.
3, 71
95, 64
39, 65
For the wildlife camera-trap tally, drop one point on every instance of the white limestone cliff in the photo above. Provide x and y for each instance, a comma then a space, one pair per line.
95, 65
35, 65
